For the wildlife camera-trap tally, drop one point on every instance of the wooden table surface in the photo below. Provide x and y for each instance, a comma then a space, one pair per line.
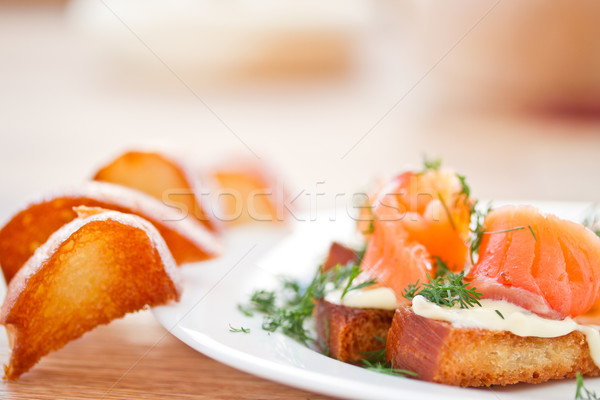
136, 358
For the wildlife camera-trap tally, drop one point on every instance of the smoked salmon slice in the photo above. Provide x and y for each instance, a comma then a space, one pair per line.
433, 209
543, 263
394, 261
415, 218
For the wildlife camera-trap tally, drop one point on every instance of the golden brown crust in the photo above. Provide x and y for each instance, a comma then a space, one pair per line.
250, 192
32, 226
351, 333
165, 178
90, 272
441, 353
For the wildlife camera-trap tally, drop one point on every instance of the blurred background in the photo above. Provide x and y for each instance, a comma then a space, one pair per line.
334, 91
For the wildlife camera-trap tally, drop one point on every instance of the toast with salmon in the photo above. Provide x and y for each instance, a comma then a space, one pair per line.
545, 267
542, 266
439, 352
346, 333
410, 219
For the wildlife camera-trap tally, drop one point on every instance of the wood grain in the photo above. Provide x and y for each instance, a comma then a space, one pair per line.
135, 358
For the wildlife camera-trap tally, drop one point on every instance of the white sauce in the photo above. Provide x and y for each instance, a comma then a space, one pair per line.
516, 320
382, 298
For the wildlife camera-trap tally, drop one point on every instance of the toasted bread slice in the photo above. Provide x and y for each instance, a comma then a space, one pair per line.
165, 178
89, 272
249, 192
441, 353
188, 240
350, 334
339, 255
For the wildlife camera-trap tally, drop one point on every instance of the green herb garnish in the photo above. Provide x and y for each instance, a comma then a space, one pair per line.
431, 164
360, 254
262, 301
245, 310
465, 192
446, 291
289, 317
532, 232
441, 267
376, 361
295, 304
238, 330
384, 368
465, 188
370, 229
447, 211
478, 230
499, 313
325, 345
582, 392
411, 290
355, 271
592, 220
377, 356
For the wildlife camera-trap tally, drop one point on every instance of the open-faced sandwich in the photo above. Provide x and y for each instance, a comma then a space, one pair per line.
448, 293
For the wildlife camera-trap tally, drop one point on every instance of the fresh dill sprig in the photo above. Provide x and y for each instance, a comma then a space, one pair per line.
241, 329
447, 210
446, 291
295, 304
431, 164
411, 290
532, 232
376, 361
360, 254
441, 268
290, 321
287, 313
373, 357
384, 368
477, 230
465, 195
366, 205
582, 392
292, 287
376, 355
324, 343
465, 189
245, 310
499, 314
262, 301
592, 220
516, 228
370, 229
349, 285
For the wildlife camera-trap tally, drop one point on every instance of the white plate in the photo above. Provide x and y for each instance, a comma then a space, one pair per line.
213, 290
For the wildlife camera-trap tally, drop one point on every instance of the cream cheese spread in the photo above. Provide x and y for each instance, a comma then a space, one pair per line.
381, 297
505, 316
